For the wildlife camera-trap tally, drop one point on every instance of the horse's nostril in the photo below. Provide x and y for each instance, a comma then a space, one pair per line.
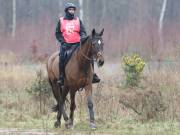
101, 62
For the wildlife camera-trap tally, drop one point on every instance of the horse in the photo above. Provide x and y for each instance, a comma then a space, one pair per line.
78, 75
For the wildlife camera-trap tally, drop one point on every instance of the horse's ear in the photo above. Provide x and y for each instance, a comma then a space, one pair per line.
93, 32
101, 33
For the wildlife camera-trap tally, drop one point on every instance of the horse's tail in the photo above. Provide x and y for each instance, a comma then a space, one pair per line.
50, 81
55, 108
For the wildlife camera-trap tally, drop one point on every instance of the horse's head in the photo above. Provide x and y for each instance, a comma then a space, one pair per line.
97, 47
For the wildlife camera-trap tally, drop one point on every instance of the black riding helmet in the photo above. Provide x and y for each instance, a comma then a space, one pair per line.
69, 5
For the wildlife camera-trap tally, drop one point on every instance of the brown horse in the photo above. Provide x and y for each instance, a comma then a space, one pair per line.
78, 74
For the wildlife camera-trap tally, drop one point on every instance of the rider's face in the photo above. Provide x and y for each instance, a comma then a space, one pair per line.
71, 11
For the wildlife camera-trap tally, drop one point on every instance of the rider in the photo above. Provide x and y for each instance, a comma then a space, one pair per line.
69, 32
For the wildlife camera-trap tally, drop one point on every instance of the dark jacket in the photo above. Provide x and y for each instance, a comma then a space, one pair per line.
59, 35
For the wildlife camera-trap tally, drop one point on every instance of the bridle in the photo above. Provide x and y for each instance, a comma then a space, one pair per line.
86, 57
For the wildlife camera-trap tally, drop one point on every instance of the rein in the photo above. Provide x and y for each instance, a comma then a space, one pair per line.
86, 57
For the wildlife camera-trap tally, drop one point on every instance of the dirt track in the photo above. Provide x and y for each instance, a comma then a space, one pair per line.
14, 131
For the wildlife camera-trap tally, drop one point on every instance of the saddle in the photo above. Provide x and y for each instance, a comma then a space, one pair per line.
69, 53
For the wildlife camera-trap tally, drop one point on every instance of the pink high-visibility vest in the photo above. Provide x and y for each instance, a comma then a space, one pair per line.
70, 30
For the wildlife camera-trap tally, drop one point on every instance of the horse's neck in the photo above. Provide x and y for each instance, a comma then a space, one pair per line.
78, 62
84, 53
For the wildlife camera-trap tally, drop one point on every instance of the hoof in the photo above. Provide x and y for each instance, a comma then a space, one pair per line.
57, 124
69, 125
92, 125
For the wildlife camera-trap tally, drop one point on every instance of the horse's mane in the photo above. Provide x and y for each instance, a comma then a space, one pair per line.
84, 39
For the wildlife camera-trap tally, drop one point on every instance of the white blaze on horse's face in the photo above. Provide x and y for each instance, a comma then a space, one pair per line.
99, 42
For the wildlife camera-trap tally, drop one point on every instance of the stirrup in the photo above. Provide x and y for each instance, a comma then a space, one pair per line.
61, 81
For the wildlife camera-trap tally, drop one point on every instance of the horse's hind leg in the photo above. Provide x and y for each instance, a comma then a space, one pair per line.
57, 95
61, 108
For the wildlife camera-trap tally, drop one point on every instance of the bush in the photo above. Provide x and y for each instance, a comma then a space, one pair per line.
133, 66
40, 90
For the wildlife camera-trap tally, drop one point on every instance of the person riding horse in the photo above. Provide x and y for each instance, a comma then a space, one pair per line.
70, 32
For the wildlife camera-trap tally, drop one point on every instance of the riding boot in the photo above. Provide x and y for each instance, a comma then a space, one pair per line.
96, 79
61, 77
61, 72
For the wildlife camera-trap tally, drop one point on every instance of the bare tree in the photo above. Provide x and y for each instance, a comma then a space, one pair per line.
81, 9
14, 18
161, 18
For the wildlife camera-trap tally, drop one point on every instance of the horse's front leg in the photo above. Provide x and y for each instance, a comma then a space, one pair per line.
72, 108
88, 92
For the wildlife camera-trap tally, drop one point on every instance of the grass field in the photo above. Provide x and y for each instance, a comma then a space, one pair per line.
19, 109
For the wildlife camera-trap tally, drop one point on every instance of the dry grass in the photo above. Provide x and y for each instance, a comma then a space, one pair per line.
19, 109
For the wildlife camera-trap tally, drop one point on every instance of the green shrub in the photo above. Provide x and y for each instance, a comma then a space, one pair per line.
133, 66
40, 90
